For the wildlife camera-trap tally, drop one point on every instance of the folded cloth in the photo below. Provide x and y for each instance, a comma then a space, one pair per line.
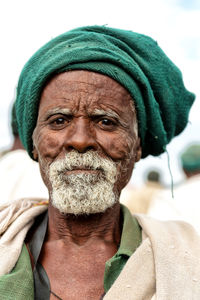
165, 266
15, 220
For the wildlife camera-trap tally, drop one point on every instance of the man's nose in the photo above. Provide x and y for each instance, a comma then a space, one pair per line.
81, 136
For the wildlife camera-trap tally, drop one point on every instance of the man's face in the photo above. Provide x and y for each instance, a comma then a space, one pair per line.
85, 140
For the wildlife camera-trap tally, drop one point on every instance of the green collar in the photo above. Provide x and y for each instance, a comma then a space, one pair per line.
18, 284
130, 240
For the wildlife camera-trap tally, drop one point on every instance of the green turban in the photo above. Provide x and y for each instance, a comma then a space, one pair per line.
134, 60
190, 159
14, 121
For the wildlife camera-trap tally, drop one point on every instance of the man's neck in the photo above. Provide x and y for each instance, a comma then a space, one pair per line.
83, 229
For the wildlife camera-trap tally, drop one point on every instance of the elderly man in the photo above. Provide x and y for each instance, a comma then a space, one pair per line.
90, 104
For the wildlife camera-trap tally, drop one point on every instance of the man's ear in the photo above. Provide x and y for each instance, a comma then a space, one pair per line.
138, 150
35, 153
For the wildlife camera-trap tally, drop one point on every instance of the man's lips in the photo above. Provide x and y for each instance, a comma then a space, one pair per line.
81, 171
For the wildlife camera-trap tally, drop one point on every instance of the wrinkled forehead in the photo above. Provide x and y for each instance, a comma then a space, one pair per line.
89, 89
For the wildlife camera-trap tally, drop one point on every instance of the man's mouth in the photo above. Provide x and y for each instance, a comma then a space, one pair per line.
81, 171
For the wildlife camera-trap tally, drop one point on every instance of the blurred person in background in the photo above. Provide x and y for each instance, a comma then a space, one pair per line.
190, 162
16, 140
186, 202
138, 199
19, 175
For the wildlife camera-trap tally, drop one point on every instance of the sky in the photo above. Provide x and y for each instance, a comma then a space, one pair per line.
26, 25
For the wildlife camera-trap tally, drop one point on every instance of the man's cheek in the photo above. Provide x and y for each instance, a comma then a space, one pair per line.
117, 148
48, 146
125, 168
44, 171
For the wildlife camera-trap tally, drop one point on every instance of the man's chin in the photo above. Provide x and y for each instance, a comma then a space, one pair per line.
82, 206
70, 211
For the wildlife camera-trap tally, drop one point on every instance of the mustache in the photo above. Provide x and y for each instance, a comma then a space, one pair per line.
89, 160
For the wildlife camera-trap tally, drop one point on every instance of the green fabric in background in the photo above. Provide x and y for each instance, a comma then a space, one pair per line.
134, 60
190, 158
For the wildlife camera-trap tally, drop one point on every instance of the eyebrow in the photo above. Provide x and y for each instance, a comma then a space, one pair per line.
96, 112
58, 110
108, 113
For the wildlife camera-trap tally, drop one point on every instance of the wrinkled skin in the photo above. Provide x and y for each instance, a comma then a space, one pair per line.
84, 111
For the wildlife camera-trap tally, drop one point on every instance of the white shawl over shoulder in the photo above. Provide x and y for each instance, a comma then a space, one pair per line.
166, 266
15, 220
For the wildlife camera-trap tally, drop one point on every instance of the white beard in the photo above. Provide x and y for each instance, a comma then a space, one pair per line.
83, 193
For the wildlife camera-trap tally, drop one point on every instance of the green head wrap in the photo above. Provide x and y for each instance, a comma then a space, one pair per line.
190, 159
132, 59
14, 121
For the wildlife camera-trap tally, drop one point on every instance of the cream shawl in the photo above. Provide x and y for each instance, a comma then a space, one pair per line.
15, 220
166, 266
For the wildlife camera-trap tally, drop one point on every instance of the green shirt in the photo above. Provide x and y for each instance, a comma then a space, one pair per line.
130, 240
19, 283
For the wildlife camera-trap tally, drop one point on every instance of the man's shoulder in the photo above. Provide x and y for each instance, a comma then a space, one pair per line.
18, 284
16, 219
176, 238
170, 227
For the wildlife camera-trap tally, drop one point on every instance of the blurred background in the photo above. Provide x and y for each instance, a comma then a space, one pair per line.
26, 25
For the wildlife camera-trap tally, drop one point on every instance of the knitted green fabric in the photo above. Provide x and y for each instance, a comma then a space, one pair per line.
14, 121
134, 60
190, 159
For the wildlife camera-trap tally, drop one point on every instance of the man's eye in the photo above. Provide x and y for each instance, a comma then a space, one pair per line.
59, 121
107, 123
